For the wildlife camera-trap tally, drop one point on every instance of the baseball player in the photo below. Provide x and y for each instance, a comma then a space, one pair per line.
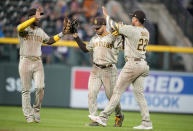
105, 50
31, 36
135, 69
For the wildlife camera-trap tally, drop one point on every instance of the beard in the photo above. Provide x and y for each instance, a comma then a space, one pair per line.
36, 23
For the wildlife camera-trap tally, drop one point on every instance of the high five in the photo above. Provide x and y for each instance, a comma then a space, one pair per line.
134, 71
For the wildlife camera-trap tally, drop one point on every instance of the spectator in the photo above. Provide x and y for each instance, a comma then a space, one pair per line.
1, 32
47, 54
91, 8
36, 4
61, 8
190, 7
115, 10
74, 6
61, 54
1, 48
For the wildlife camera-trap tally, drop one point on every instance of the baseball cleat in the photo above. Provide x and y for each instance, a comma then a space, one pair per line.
97, 119
37, 117
142, 127
29, 120
93, 124
119, 121
89, 116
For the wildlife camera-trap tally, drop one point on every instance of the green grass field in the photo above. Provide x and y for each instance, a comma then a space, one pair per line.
59, 119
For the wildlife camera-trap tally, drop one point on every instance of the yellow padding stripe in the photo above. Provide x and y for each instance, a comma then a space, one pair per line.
154, 48
64, 43
173, 49
9, 40
56, 37
25, 24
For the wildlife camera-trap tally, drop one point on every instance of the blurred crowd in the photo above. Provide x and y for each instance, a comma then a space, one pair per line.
83, 10
188, 4
55, 11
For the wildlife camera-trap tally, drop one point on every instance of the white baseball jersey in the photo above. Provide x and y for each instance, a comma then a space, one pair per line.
105, 49
136, 40
30, 45
134, 70
105, 52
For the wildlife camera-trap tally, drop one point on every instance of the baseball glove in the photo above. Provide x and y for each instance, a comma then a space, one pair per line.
74, 26
66, 26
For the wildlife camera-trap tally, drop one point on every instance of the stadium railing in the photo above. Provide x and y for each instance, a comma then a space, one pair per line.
154, 48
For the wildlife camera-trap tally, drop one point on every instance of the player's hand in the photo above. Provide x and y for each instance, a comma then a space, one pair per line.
75, 35
104, 11
38, 12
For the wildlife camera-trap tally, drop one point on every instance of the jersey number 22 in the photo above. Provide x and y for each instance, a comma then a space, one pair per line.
142, 44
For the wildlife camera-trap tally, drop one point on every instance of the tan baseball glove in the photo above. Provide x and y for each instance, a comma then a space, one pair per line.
66, 26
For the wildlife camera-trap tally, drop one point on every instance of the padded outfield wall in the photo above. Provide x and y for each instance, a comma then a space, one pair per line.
57, 85
68, 87
164, 92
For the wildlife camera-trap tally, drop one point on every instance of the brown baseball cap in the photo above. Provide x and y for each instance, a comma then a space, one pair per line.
32, 12
140, 15
98, 22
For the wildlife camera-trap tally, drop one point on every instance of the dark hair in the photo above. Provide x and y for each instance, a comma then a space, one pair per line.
32, 12
140, 15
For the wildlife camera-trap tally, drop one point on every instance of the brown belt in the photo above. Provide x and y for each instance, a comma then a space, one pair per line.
32, 58
135, 59
103, 66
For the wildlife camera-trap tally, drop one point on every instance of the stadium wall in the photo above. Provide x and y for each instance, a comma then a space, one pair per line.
170, 92
57, 81
68, 87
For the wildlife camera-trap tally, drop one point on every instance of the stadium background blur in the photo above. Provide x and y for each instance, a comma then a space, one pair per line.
14, 12
170, 23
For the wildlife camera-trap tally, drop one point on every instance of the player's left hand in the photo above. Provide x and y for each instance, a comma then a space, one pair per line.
38, 14
105, 11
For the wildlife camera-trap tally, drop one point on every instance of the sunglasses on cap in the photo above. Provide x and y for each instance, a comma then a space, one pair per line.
98, 28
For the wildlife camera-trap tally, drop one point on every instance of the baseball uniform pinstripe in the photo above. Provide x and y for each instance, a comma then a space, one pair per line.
31, 67
104, 53
134, 71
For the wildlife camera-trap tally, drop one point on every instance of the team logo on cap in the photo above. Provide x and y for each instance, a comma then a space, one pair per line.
95, 21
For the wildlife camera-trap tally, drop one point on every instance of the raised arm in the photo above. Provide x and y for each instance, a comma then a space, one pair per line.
112, 26
21, 27
118, 28
25, 24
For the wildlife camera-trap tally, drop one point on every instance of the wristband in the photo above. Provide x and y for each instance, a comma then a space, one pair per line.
58, 36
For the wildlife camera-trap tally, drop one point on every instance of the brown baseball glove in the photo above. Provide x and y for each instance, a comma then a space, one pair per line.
66, 26
74, 26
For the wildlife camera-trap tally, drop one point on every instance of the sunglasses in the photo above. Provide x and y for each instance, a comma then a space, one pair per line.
97, 28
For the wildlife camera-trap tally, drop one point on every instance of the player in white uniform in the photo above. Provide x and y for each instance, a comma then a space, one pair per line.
31, 37
105, 49
135, 69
